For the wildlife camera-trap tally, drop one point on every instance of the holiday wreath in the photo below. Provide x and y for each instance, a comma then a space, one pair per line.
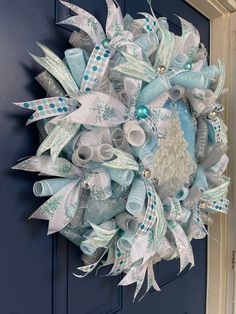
131, 134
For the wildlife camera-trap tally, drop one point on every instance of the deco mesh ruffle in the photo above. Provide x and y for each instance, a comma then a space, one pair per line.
132, 137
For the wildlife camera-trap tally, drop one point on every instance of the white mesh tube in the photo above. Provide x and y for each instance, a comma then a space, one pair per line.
135, 135
102, 152
82, 155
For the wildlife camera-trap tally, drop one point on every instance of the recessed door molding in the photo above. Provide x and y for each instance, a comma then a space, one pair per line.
221, 243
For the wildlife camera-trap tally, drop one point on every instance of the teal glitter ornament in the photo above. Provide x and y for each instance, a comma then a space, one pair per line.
106, 42
188, 66
142, 112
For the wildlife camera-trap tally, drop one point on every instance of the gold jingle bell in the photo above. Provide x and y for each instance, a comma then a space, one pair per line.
202, 205
161, 69
147, 173
212, 115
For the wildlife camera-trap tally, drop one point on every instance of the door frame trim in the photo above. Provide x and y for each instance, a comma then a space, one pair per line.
220, 289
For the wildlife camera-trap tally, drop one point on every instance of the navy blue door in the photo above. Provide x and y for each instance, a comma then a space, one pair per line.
36, 270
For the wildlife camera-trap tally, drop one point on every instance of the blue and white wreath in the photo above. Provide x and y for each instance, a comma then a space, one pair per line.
132, 136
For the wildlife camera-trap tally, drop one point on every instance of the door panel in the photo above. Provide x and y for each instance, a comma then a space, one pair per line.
36, 270
26, 253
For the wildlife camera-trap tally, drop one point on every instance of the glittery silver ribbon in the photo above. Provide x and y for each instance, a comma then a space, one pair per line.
126, 222
202, 138
51, 86
119, 140
214, 155
82, 40
136, 68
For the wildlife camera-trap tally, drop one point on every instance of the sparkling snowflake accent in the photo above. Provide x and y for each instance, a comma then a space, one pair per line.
117, 28
52, 205
64, 170
27, 164
105, 112
101, 192
92, 23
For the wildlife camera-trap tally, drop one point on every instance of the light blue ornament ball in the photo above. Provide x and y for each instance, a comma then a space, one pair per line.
142, 112
106, 42
188, 66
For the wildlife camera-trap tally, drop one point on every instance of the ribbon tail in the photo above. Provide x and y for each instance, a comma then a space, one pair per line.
165, 52
120, 264
60, 208
210, 101
86, 22
48, 107
44, 164
99, 238
89, 268
110, 257
151, 23
182, 243
190, 37
115, 21
151, 281
133, 85
135, 275
136, 68
161, 224
54, 65
196, 228
140, 281
58, 138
